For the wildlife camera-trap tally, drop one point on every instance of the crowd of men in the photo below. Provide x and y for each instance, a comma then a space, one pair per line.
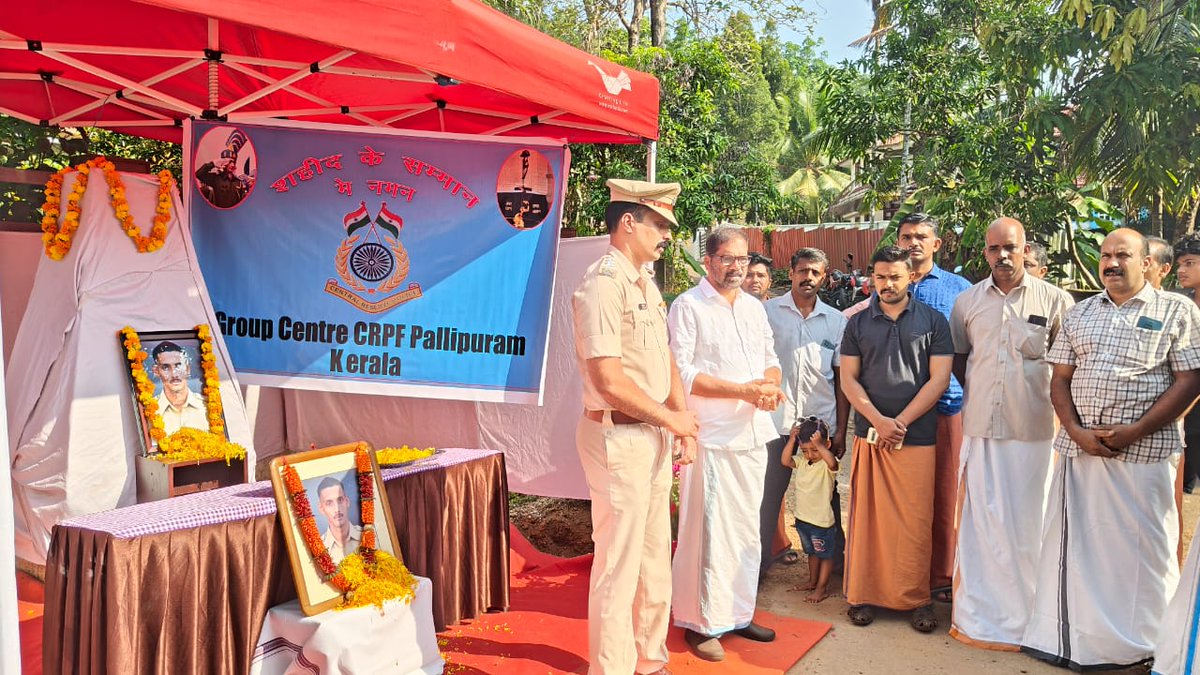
1012, 452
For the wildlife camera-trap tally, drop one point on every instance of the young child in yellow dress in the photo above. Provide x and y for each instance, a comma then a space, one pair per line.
809, 494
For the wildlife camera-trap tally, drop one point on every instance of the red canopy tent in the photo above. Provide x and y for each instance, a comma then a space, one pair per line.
141, 66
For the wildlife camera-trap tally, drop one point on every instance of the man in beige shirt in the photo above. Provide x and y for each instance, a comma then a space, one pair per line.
634, 420
1002, 327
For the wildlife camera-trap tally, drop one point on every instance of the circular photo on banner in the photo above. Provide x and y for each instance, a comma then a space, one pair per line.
226, 166
525, 188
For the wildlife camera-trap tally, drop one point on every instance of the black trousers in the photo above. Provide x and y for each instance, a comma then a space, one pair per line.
775, 485
1191, 447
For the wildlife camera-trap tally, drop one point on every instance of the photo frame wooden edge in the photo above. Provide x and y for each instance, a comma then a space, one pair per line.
382, 509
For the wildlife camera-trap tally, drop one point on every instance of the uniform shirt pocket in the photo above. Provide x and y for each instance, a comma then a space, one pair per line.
1032, 340
638, 323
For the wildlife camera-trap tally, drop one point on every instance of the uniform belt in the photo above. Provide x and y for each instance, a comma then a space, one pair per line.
618, 417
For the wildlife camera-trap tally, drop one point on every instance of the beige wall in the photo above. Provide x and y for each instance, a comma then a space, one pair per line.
19, 256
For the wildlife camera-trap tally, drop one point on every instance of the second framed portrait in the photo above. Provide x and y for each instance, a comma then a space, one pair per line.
326, 516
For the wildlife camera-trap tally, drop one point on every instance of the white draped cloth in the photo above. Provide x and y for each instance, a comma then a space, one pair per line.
72, 431
1108, 563
1179, 639
1002, 493
396, 640
714, 573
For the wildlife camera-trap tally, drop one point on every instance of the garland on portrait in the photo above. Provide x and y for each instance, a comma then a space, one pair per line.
368, 576
187, 444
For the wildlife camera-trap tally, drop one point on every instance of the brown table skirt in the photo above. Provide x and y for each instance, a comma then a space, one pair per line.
194, 600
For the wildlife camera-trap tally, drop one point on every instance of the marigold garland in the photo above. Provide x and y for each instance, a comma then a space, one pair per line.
368, 576
194, 445
186, 444
57, 239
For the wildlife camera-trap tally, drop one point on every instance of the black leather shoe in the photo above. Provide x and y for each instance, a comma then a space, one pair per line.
706, 647
756, 632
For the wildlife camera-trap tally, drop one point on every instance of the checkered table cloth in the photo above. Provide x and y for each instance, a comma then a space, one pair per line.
239, 502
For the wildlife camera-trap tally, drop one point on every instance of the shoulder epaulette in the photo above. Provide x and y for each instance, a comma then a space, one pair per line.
608, 267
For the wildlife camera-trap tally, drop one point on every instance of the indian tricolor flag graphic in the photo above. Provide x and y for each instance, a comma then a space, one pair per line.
389, 221
357, 219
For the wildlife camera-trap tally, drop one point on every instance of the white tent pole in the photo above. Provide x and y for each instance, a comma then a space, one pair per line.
290, 79
163, 99
411, 113
20, 44
651, 160
488, 113
101, 99
19, 115
10, 637
214, 77
542, 117
588, 127
250, 72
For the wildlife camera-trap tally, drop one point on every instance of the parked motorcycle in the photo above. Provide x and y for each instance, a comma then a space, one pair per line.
846, 289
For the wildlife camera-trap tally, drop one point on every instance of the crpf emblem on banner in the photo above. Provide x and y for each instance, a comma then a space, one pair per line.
372, 264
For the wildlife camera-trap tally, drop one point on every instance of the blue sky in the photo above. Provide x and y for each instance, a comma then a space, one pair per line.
838, 22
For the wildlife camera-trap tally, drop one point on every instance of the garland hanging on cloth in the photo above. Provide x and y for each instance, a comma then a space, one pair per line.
186, 444
57, 239
368, 576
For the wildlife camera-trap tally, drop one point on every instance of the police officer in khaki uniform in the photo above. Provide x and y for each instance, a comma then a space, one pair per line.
635, 418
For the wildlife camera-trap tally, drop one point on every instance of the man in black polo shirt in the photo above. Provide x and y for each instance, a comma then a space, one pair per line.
896, 361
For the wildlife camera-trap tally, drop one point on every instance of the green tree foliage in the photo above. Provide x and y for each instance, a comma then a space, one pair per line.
1044, 110
27, 146
721, 132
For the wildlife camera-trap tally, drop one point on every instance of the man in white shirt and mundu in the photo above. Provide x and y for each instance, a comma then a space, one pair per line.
725, 351
1002, 327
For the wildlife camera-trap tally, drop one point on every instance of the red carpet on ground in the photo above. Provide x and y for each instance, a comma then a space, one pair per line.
545, 631
30, 596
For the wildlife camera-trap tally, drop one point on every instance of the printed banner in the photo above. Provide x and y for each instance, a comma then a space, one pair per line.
354, 260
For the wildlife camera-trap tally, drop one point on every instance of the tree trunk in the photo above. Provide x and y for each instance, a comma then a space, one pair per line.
635, 24
658, 22
594, 15
1156, 215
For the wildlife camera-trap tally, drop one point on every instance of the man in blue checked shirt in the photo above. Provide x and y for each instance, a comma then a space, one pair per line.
934, 286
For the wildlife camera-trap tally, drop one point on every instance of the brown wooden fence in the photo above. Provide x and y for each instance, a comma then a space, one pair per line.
836, 240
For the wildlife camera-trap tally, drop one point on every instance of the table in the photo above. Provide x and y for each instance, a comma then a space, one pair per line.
183, 585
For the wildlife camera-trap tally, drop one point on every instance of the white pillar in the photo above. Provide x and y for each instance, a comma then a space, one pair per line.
10, 638
651, 160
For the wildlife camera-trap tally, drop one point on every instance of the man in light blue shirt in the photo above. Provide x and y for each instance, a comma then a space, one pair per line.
938, 288
808, 338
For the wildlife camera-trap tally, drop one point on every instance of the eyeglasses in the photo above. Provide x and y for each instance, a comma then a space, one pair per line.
731, 260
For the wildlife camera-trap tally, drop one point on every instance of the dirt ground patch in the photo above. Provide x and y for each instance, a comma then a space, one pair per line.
563, 527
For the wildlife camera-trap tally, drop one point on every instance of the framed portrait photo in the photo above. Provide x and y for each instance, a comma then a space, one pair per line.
171, 372
326, 519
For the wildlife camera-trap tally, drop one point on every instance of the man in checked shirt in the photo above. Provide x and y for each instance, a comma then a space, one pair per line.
1124, 370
